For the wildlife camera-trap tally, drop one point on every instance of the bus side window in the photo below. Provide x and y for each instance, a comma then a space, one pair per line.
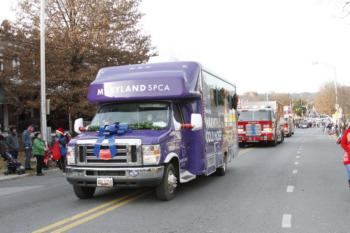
178, 114
178, 117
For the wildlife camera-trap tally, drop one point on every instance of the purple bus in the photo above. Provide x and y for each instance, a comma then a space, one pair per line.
157, 125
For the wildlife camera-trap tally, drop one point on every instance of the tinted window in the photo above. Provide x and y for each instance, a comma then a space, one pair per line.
178, 114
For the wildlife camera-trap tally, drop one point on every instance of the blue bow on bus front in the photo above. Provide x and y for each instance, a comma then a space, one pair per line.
109, 132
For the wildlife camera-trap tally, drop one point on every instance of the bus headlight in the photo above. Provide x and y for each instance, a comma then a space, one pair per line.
151, 154
70, 155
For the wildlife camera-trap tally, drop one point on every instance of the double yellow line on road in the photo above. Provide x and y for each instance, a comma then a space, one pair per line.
86, 216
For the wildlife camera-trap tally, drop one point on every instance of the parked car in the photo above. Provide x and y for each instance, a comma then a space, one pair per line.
304, 125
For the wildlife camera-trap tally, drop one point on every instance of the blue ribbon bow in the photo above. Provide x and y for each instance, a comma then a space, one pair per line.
109, 132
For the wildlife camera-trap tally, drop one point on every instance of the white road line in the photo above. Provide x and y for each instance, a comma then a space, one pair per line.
296, 163
298, 152
295, 171
286, 221
298, 156
290, 188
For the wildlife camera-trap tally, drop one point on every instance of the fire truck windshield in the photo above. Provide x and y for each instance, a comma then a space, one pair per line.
260, 115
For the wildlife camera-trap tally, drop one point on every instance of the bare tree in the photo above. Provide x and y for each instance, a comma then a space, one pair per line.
82, 36
325, 98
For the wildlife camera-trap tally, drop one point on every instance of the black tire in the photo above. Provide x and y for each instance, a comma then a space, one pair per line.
167, 188
274, 142
84, 192
221, 171
282, 138
241, 144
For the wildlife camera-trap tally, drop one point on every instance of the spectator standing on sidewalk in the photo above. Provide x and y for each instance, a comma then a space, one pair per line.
2, 144
345, 144
39, 153
12, 142
27, 142
62, 139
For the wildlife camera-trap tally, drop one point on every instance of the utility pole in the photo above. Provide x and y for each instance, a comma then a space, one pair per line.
335, 86
42, 72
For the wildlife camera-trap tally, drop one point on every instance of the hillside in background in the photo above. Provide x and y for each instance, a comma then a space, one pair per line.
283, 98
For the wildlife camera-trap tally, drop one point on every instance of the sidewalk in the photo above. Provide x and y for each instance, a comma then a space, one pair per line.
4, 177
12, 176
29, 173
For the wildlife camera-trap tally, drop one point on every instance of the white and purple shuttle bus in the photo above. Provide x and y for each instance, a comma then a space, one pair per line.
157, 125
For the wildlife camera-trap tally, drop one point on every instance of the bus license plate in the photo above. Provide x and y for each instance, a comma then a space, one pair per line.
104, 182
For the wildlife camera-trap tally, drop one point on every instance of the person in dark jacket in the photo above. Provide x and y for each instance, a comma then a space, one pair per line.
2, 144
62, 139
12, 143
38, 152
27, 142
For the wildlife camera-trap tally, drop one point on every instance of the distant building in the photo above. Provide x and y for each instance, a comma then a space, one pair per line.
4, 113
4, 122
7, 109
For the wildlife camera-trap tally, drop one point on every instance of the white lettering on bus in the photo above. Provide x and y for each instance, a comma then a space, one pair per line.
114, 89
213, 136
213, 123
100, 91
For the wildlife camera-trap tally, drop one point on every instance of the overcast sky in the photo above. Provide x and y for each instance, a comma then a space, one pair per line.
262, 46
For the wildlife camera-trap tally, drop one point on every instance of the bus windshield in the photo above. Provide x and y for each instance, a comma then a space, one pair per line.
137, 115
261, 115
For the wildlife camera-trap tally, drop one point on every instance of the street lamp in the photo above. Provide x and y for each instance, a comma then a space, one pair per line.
334, 69
42, 72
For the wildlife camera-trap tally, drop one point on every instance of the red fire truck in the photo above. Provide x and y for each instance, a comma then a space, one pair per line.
260, 122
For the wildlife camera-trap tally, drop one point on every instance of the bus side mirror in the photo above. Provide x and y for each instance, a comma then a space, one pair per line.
196, 121
79, 126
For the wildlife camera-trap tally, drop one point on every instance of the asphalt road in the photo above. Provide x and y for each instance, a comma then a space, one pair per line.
299, 186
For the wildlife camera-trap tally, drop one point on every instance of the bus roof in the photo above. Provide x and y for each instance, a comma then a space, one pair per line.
146, 81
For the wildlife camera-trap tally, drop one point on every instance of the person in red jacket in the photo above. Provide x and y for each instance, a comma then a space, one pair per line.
345, 144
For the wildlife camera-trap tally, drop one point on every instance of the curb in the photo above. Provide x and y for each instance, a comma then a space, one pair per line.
14, 177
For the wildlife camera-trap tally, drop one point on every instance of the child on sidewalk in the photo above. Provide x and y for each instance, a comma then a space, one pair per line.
38, 152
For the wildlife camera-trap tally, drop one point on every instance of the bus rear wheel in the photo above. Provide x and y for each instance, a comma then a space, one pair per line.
221, 171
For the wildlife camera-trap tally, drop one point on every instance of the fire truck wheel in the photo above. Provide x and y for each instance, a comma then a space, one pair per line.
167, 188
84, 192
274, 142
282, 138
221, 171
